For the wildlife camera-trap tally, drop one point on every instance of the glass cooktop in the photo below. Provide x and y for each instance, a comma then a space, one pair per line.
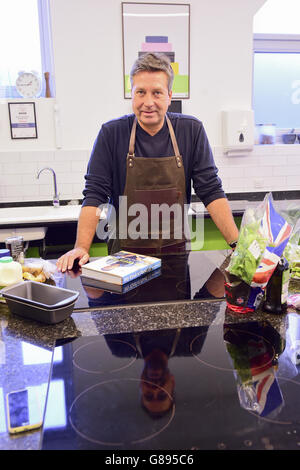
193, 275
223, 386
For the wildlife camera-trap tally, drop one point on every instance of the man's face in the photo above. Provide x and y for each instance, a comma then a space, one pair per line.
150, 99
157, 383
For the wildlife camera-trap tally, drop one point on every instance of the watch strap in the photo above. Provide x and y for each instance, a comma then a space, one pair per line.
233, 244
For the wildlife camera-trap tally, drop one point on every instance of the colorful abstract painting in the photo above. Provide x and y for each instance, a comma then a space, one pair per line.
158, 27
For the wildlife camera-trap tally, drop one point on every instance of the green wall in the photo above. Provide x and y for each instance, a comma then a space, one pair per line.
213, 240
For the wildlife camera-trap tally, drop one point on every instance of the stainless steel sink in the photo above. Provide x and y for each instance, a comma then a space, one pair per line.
36, 214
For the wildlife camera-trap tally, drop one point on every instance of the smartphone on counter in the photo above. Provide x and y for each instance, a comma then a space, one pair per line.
23, 411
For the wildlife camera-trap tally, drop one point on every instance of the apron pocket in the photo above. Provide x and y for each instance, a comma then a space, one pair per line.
161, 202
157, 196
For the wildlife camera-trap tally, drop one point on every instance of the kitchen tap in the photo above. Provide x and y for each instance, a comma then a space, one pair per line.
56, 195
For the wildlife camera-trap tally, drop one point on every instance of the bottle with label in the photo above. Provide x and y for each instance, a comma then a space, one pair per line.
277, 289
15, 246
4, 252
10, 271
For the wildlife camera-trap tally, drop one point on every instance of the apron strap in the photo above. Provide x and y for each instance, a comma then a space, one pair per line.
172, 135
173, 138
174, 344
132, 139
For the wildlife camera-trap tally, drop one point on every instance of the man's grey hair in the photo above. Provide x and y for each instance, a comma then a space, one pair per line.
153, 62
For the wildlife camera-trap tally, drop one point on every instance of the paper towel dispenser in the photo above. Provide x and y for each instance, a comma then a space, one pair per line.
238, 131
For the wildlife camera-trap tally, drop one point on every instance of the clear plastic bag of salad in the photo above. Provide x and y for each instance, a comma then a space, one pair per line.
292, 253
264, 234
263, 237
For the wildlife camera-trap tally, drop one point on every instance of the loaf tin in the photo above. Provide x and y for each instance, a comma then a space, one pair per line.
41, 302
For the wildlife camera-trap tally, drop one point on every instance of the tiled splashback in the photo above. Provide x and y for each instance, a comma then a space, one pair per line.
267, 168
18, 175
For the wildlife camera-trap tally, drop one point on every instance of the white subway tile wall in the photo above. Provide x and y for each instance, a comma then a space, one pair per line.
266, 168
18, 175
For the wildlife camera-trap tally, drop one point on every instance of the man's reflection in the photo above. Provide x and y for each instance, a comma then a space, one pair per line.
156, 348
213, 287
167, 286
171, 283
157, 384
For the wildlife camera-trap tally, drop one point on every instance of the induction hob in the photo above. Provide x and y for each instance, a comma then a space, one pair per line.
193, 275
226, 386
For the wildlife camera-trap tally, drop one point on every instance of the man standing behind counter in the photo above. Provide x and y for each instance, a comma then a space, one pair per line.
165, 153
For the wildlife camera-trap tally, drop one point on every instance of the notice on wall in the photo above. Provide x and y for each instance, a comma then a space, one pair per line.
22, 120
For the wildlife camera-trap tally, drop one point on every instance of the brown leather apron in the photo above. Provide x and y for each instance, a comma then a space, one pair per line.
154, 181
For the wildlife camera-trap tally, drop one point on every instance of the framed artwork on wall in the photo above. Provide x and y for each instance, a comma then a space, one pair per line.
157, 27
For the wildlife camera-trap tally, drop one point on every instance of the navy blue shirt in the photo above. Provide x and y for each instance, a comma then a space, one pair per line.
106, 172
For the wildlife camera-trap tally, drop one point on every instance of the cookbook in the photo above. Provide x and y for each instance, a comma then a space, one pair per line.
120, 288
120, 268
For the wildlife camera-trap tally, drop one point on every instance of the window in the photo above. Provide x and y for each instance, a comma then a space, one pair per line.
25, 39
276, 81
277, 89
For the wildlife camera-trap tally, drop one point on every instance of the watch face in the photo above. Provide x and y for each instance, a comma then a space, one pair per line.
28, 85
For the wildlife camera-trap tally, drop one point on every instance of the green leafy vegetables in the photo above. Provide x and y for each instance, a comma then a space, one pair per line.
247, 255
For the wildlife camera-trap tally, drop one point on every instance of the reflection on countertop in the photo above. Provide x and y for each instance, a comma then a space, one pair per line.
193, 275
26, 347
218, 386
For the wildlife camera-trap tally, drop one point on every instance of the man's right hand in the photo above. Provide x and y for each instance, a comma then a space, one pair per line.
66, 261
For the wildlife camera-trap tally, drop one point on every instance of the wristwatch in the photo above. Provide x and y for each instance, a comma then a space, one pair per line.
233, 245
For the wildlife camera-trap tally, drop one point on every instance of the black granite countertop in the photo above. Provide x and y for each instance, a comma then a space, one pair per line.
26, 347
20, 337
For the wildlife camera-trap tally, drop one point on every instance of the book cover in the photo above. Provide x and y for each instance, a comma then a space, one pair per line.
121, 267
